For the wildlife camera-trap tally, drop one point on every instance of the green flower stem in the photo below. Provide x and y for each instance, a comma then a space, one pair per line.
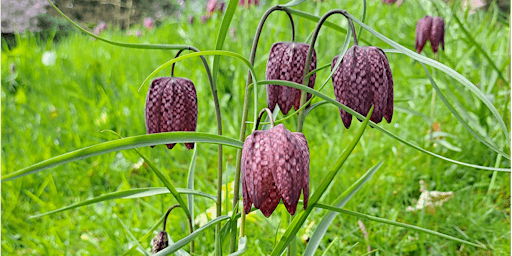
167, 214
245, 113
213, 88
305, 80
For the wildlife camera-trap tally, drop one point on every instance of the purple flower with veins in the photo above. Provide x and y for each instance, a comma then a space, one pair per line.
432, 29
286, 61
275, 166
171, 105
362, 79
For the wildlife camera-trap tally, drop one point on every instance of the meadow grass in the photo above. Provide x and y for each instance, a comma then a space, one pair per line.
51, 110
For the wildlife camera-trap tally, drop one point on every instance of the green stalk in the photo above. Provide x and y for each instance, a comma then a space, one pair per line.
305, 80
244, 117
213, 88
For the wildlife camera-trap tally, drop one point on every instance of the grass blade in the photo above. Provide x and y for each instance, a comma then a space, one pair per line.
204, 53
145, 237
479, 48
326, 221
128, 194
388, 133
298, 220
293, 3
398, 224
121, 144
132, 237
242, 247
190, 183
221, 37
461, 120
174, 247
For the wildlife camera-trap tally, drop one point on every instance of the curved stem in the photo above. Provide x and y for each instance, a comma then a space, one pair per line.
219, 132
269, 113
176, 56
167, 214
300, 122
245, 113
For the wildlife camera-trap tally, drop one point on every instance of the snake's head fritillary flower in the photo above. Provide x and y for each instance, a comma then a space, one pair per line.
363, 79
275, 166
423, 28
160, 242
171, 105
191, 19
437, 33
286, 61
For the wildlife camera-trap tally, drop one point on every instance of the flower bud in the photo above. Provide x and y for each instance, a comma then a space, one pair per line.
160, 242
363, 79
423, 28
437, 33
171, 105
275, 166
286, 61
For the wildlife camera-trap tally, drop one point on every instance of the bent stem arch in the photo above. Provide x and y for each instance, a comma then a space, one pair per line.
213, 88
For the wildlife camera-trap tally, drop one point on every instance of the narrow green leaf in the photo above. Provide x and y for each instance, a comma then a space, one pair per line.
293, 3
126, 143
242, 247
298, 220
121, 44
162, 178
479, 47
447, 70
459, 117
145, 237
190, 182
221, 37
394, 223
326, 221
361, 117
187, 239
348, 249
204, 53
128, 194
132, 237
330, 245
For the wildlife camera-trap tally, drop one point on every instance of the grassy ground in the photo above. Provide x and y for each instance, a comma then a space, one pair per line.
50, 110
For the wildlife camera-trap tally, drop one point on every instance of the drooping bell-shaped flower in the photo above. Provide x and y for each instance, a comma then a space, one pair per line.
160, 242
171, 105
286, 61
423, 28
363, 79
437, 33
429, 28
275, 166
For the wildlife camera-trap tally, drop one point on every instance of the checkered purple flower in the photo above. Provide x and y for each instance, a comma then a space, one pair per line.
275, 166
363, 79
286, 61
171, 105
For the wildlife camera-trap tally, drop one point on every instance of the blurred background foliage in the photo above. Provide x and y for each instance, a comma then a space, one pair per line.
58, 95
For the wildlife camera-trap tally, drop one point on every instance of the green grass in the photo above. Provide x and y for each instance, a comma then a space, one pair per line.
51, 110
